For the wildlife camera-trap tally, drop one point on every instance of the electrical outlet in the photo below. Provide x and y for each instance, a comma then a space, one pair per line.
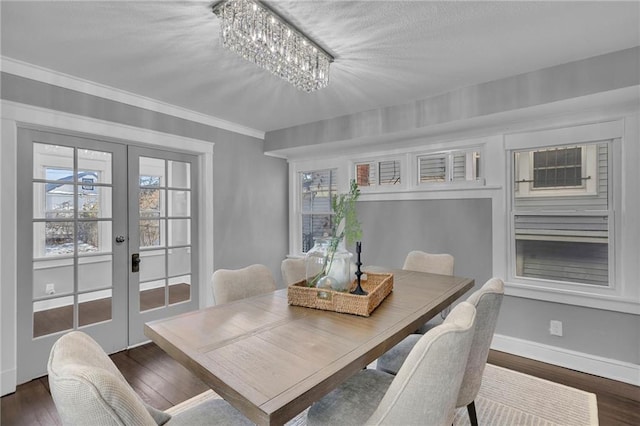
50, 288
555, 328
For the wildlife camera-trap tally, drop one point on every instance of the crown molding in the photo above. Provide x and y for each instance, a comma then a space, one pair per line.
48, 76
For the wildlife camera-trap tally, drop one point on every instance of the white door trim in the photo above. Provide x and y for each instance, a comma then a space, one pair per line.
14, 115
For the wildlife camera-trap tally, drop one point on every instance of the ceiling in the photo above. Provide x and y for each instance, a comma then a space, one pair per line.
387, 52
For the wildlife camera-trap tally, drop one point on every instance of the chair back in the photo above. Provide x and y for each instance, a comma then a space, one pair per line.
426, 387
428, 262
235, 284
87, 388
487, 301
293, 270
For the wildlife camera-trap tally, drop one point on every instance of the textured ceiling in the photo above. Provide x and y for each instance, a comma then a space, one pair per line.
387, 52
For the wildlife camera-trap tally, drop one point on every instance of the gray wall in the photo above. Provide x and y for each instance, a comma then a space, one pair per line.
597, 332
567, 81
250, 206
462, 228
250, 189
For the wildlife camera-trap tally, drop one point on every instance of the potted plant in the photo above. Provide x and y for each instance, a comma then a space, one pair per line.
328, 263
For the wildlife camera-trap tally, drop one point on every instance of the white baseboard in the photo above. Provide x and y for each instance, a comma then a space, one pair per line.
8, 379
592, 364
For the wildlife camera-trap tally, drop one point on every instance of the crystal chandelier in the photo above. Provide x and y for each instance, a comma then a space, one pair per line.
257, 34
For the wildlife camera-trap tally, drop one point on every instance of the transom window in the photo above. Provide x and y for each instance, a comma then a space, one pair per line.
449, 166
378, 173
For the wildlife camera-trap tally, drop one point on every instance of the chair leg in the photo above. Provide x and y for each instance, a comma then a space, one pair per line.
471, 409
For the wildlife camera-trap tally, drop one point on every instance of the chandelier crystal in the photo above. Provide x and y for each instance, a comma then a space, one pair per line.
257, 34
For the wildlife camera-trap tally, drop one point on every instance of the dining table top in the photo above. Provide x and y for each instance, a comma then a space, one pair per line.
272, 360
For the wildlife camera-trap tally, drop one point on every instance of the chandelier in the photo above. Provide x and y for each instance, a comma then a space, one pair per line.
257, 34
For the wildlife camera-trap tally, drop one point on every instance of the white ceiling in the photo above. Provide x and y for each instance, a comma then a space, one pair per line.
387, 52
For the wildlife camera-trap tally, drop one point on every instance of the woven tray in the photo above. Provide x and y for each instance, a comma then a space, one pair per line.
378, 285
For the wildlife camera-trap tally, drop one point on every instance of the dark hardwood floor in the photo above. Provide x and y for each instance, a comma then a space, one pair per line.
162, 382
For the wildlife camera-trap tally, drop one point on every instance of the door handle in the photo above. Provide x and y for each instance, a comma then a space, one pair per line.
135, 262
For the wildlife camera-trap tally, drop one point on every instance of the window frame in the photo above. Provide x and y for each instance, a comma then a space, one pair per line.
525, 178
449, 173
591, 134
375, 162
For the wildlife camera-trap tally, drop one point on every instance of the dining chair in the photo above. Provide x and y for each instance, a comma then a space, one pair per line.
234, 284
487, 301
435, 263
421, 261
293, 270
423, 392
87, 388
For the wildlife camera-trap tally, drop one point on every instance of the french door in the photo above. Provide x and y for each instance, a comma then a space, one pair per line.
87, 209
162, 237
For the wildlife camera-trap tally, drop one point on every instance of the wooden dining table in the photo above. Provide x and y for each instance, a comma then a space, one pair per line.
272, 360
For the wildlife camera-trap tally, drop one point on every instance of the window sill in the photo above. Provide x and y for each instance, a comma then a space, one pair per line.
576, 297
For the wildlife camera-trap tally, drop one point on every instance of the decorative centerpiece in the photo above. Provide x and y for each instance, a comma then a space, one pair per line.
328, 263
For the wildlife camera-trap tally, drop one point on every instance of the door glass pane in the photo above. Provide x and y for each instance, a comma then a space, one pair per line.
94, 167
152, 265
95, 202
151, 172
94, 307
179, 174
151, 202
179, 232
52, 238
94, 236
53, 315
179, 289
50, 203
179, 203
95, 272
151, 233
52, 162
152, 295
179, 261
52, 276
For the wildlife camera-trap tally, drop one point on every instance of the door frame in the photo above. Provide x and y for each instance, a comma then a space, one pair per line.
16, 115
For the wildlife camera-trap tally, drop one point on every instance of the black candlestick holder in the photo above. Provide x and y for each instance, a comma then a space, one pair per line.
359, 290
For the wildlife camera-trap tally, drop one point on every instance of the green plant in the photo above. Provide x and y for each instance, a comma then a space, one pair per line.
345, 217
345, 225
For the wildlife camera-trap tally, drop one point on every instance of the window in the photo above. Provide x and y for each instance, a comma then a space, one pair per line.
378, 173
561, 220
557, 168
557, 172
449, 166
317, 190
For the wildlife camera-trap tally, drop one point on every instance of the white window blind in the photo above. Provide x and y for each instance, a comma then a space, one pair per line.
449, 166
389, 172
433, 168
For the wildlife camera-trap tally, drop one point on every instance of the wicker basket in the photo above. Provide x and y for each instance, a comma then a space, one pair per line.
378, 286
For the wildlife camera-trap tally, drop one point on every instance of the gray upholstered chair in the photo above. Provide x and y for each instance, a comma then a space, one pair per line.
428, 262
423, 392
487, 301
435, 263
293, 270
235, 284
88, 389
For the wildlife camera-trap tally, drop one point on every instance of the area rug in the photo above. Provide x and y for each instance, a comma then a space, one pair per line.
506, 398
